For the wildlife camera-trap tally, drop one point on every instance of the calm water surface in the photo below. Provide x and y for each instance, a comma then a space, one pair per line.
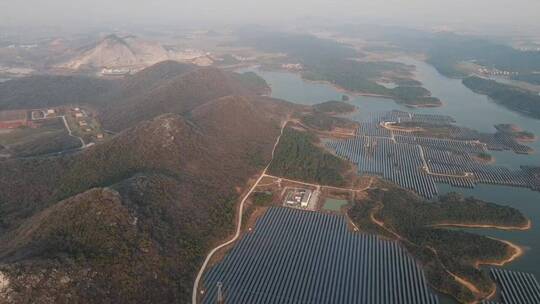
468, 109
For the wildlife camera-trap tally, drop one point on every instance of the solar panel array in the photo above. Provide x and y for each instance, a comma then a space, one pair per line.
296, 256
396, 162
403, 158
515, 287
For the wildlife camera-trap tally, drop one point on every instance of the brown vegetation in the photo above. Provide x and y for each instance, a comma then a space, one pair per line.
129, 220
450, 258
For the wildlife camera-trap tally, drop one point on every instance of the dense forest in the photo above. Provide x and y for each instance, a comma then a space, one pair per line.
446, 50
130, 219
533, 78
336, 63
416, 221
519, 100
297, 157
334, 107
324, 122
254, 81
50, 137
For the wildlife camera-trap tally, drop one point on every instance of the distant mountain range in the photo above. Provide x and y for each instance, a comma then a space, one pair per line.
129, 220
115, 51
166, 87
122, 54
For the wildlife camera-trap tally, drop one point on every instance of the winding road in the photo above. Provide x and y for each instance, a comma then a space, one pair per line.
70, 133
241, 210
239, 221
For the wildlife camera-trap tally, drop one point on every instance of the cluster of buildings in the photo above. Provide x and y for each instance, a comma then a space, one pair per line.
495, 72
115, 71
292, 66
42, 114
81, 117
298, 198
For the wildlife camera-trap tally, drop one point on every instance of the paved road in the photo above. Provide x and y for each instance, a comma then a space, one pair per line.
239, 223
322, 186
241, 210
83, 145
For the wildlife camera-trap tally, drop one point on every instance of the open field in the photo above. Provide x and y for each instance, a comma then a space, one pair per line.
48, 137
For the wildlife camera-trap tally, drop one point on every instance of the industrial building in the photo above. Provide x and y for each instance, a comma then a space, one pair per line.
298, 197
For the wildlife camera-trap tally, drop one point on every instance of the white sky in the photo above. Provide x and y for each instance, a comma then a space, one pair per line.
473, 13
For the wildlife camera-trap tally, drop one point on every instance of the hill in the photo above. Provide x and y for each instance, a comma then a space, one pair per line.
114, 51
445, 254
178, 94
511, 97
341, 65
47, 91
298, 157
129, 220
151, 76
166, 87
334, 107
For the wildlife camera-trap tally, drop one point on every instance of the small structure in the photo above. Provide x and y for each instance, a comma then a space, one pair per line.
83, 123
79, 115
37, 114
298, 197
220, 298
115, 71
13, 119
51, 111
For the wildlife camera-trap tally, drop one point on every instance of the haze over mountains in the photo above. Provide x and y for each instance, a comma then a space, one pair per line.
115, 51
167, 87
138, 158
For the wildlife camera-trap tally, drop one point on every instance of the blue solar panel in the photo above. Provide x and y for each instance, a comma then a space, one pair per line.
296, 256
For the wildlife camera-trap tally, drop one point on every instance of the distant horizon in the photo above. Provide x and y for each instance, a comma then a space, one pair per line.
482, 16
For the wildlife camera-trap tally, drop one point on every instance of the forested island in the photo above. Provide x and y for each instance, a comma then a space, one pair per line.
516, 99
450, 257
334, 107
515, 132
339, 64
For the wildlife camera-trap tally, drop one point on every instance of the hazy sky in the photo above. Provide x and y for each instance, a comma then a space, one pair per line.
473, 13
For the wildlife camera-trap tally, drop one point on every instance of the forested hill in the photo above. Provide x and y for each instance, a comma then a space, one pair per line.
340, 64
48, 91
519, 100
129, 220
166, 87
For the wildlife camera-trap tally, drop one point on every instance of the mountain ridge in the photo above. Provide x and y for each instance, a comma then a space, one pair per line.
129, 219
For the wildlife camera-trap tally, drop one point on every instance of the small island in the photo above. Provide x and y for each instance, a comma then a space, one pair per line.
516, 132
506, 137
415, 96
484, 157
334, 107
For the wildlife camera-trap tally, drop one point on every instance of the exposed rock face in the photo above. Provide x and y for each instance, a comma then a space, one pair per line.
115, 52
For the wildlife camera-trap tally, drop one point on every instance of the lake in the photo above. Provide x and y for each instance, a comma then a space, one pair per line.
469, 109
